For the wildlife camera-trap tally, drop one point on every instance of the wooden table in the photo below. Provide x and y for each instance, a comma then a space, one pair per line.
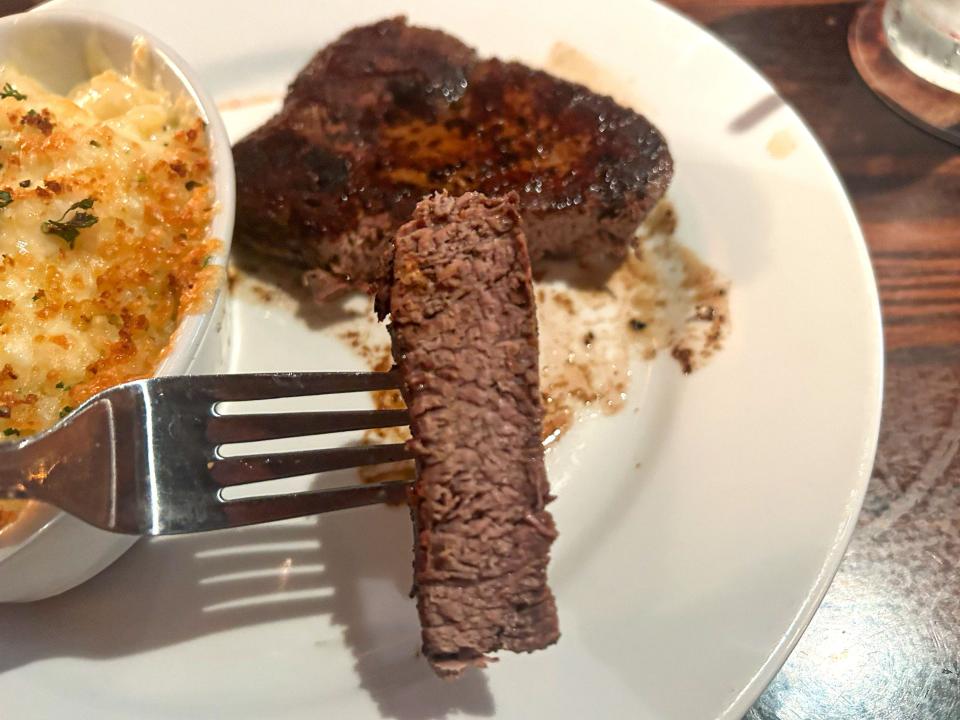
885, 644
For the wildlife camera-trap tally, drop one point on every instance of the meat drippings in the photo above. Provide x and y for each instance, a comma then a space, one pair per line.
662, 297
781, 144
593, 329
403, 470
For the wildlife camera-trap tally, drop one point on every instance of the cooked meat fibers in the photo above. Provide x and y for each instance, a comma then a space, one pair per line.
389, 113
464, 331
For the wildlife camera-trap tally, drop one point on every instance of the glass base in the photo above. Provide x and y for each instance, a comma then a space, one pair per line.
928, 106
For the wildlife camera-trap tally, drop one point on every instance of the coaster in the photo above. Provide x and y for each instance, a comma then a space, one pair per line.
926, 105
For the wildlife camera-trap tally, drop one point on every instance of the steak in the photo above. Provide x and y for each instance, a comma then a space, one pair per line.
388, 113
464, 330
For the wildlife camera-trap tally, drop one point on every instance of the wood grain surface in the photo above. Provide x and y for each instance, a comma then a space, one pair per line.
885, 644
8, 7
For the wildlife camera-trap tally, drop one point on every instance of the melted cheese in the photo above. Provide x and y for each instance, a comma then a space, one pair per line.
77, 316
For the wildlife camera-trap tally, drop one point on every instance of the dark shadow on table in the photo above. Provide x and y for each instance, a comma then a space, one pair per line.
161, 593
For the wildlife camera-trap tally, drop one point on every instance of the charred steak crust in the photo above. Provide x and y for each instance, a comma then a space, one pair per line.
464, 331
388, 113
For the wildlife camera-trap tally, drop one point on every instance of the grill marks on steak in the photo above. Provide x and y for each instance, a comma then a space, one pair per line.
463, 324
388, 113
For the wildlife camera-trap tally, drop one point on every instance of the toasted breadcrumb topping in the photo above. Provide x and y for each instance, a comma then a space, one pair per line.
106, 200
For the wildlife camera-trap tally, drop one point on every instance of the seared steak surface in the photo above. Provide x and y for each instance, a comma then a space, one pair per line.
388, 113
464, 331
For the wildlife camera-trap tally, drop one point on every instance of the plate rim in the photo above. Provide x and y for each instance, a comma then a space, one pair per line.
780, 653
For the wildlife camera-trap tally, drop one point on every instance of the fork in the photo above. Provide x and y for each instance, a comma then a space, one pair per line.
144, 458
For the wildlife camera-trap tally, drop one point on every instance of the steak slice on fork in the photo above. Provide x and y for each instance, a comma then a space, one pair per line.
464, 330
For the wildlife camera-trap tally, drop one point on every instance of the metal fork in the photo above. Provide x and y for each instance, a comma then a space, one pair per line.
144, 458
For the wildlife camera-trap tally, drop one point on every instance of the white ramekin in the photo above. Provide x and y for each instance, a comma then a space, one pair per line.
45, 551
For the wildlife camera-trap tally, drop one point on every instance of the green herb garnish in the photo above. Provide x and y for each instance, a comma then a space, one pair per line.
191, 184
10, 431
60, 385
9, 91
68, 229
5, 198
66, 411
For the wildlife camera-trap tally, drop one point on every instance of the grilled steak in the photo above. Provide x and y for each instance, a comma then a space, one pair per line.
388, 113
464, 331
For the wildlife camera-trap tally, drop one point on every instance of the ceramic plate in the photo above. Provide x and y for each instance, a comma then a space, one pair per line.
700, 526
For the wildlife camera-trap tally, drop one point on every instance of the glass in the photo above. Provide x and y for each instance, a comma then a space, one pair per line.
925, 36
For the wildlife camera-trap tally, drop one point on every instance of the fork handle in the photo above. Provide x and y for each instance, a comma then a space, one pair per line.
14, 461
68, 466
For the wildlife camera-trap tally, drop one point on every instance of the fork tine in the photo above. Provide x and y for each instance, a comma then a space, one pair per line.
251, 511
222, 429
255, 468
265, 386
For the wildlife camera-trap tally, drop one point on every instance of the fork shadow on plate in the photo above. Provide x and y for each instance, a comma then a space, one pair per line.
354, 567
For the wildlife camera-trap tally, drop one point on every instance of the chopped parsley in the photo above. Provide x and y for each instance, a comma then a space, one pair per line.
191, 184
10, 431
5, 198
66, 411
9, 91
69, 229
60, 385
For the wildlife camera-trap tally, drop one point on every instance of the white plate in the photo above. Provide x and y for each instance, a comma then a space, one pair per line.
700, 527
